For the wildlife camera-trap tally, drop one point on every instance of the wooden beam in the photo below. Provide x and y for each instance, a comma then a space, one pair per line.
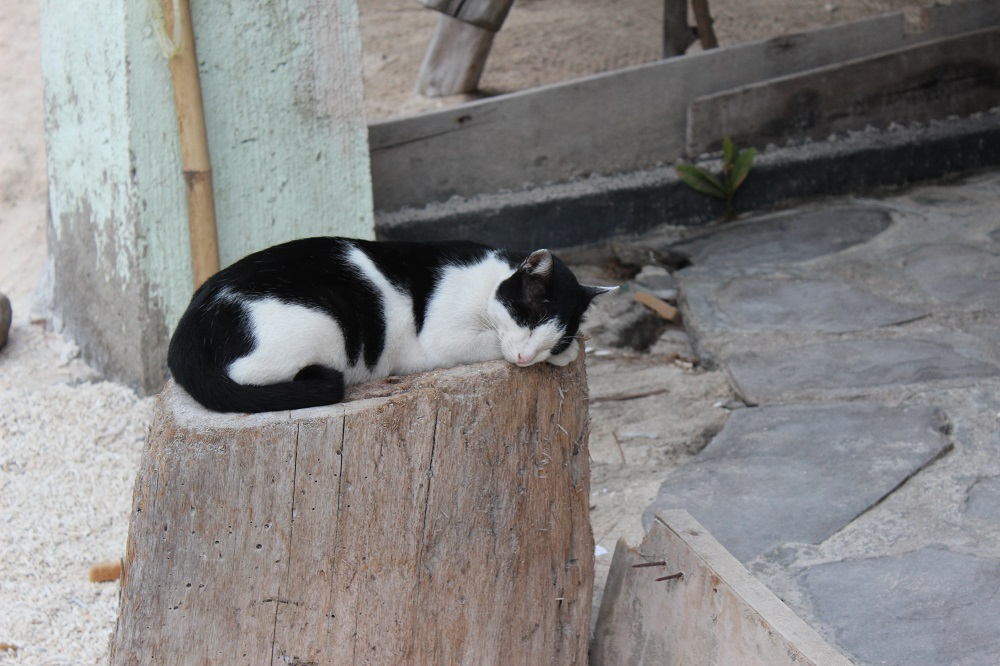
436, 518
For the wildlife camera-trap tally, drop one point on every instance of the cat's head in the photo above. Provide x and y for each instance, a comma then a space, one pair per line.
537, 311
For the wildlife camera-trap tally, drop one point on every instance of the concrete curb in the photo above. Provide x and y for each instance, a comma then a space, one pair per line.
595, 209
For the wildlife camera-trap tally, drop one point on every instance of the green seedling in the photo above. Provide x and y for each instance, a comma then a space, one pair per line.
735, 169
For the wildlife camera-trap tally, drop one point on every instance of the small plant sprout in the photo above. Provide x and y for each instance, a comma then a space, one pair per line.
735, 169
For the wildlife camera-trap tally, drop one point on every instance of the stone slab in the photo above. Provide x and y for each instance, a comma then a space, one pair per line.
924, 608
799, 473
983, 325
958, 276
787, 237
840, 367
983, 500
723, 302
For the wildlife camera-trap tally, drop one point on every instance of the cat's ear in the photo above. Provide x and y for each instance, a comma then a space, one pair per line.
538, 264
597, 291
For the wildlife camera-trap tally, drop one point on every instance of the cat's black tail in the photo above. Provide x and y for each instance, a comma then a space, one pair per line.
207, 382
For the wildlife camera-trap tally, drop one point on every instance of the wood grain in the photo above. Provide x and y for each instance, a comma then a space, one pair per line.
442, 521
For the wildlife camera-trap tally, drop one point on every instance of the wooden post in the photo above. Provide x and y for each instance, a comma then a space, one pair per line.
703, 20
460, 45
437, 518
677, 34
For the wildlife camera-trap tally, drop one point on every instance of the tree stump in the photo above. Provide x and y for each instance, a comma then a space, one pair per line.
436, 518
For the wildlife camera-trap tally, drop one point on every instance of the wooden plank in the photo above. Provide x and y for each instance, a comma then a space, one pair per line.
610, 123
485, 14
714, 613
437, 518
951, 76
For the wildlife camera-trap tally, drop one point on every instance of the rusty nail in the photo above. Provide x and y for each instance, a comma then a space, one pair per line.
671, 576
661, 563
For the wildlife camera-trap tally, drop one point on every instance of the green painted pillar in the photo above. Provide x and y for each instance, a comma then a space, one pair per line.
283, 99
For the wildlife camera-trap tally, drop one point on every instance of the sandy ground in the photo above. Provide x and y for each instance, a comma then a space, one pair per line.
69, 442
547, 41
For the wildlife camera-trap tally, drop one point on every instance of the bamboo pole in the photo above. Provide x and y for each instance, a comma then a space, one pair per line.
194, 141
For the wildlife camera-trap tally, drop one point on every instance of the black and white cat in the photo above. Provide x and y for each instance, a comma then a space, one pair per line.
290, 326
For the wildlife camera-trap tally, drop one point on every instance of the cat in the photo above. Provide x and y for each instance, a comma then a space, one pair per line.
291, 326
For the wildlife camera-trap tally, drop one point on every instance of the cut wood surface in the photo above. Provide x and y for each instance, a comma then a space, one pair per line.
680, 599
436, 518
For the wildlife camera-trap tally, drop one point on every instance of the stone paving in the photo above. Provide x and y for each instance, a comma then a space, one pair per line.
862, 481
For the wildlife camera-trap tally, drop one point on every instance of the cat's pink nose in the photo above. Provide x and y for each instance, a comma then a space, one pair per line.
523, 360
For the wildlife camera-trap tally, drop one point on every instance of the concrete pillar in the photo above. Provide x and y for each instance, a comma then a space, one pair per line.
283, 101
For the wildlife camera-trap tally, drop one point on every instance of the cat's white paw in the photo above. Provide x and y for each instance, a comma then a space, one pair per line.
566, 356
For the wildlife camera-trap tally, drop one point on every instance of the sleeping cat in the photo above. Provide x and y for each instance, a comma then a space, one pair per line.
291, 326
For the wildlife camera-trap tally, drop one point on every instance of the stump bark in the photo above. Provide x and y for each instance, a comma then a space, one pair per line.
437, 518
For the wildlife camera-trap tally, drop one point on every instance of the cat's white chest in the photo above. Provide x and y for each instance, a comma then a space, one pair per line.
457, 326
